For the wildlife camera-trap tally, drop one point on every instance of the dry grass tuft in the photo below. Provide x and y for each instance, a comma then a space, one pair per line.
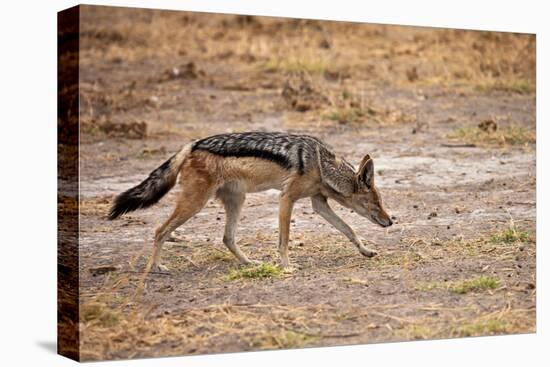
99, 314
509, 136
283, 340
140, 332
295, 65
505, 321
95, 205
405, 259
479, 284
494, 245
346, 115
212, 255
261, 271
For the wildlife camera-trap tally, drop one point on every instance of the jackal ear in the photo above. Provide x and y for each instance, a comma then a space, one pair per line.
335, 173
365, 175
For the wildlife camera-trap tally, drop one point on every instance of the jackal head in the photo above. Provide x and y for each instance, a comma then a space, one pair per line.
365, 199
355, 190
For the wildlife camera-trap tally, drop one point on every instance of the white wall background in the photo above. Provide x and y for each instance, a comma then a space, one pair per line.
28, 182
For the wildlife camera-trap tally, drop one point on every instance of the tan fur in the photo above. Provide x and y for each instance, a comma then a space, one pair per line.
204, 175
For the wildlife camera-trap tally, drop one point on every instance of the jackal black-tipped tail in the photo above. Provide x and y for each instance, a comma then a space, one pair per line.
150, 191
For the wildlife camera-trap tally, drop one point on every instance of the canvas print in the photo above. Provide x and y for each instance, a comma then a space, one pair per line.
233, 183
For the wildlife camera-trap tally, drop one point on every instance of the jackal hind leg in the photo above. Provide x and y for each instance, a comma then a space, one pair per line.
192, 199
233, 200
321, 207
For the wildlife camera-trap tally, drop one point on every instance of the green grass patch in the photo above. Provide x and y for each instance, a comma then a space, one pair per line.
485, 327
261, 271
510, 135
510, 235
463, 286
521, 86
474, 285
346, 95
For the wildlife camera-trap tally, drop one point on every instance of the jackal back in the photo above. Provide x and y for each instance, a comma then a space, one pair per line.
291, 151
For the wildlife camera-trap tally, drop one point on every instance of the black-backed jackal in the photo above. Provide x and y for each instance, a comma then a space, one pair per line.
230, 165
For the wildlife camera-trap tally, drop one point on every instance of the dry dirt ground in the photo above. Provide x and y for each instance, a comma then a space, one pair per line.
460, 260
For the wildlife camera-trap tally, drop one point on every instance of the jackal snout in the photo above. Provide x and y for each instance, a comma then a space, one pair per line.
366, 200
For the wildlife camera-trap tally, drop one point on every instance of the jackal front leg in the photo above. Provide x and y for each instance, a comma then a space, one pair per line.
321, 207
285, 211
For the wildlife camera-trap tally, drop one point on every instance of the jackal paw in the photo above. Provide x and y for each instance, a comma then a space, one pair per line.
289, 269
161, 269
366, 252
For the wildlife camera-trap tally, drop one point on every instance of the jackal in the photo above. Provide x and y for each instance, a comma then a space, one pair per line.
230, 165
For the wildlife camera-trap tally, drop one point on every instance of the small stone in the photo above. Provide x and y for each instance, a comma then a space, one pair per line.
324, 43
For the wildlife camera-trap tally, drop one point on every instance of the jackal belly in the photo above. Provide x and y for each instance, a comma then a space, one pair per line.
253, 174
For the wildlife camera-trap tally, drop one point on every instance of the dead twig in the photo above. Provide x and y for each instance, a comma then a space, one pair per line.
143, 272
446, 145
322, 335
